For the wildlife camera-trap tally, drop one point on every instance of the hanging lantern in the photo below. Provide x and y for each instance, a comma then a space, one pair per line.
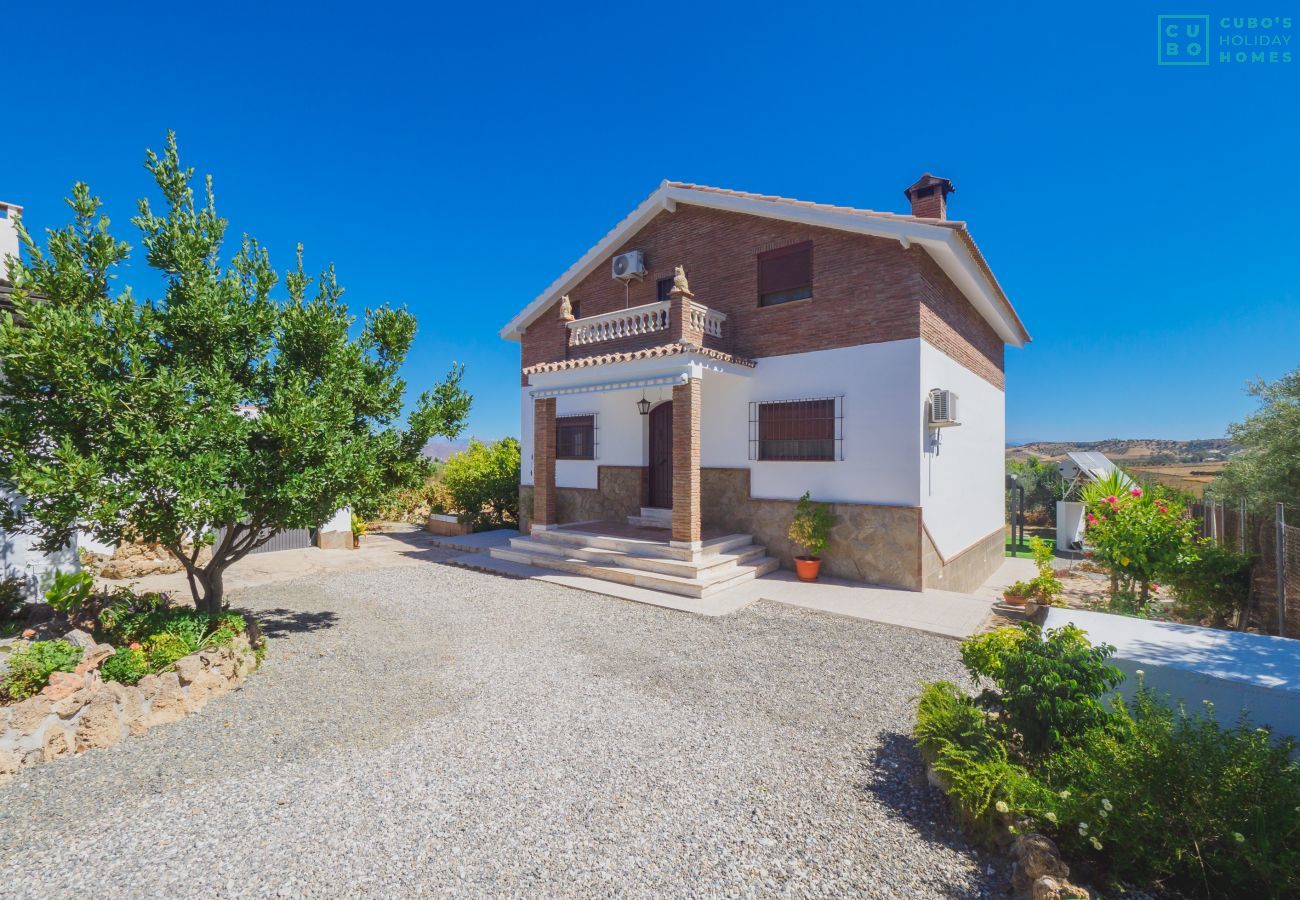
643, 405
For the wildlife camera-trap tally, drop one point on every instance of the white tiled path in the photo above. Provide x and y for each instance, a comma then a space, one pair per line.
940, 612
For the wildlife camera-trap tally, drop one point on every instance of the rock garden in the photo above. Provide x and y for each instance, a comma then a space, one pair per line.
89, 669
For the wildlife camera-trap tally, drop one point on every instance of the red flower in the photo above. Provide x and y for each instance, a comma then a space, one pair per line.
1155, 588
1136, 491
1092, 520
1113, 500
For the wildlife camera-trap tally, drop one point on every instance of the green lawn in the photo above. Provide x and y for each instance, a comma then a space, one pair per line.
1021, 551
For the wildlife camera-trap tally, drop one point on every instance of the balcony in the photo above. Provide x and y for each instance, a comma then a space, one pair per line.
645, 326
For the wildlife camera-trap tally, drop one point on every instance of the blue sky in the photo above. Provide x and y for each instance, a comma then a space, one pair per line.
1142, 218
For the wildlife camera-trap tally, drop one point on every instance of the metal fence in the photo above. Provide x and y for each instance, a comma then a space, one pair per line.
288, 539
1274, 546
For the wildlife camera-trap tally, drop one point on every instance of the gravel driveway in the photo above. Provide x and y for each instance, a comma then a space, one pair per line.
430, 730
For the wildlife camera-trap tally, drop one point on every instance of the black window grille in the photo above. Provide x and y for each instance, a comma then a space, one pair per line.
575, 437
797, 430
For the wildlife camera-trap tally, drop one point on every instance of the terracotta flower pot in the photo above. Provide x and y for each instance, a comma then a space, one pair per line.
1014, 599
807, 567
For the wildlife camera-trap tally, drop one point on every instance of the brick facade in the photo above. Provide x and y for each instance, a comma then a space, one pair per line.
686, 462
865, 290
544, 510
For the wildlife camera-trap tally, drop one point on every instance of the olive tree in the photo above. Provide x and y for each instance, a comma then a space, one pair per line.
213, 409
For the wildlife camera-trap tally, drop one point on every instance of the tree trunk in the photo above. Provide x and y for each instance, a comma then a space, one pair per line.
1145, 594
212, 595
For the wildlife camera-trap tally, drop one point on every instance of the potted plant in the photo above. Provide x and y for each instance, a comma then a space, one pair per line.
811, 530
358, 529
1019, 593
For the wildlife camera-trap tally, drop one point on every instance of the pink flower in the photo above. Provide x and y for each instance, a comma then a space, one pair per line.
1092, 520
135, 645
1136, 491
1113, 500
1155, 587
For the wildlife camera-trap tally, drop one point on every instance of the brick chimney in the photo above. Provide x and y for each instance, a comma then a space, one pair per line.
8, 235
929, 197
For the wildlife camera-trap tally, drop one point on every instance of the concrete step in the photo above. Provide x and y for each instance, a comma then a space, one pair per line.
672, 584
641, 546
652, 517
707, 566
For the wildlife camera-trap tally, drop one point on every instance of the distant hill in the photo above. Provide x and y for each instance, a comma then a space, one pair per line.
1132, 451
440, 450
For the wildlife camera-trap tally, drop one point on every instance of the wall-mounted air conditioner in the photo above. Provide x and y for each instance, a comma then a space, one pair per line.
943, 408
628, 266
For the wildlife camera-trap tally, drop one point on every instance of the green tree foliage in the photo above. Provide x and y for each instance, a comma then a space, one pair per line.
212, 406
1042, 482
1267, 470
482, 482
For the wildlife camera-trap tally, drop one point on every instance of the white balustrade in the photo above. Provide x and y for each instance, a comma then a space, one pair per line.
623, 323
703, 319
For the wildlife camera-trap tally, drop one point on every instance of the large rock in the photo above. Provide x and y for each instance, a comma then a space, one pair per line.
99, 725
188, 668
62, 684
57, 742
70, 705
78, 638
206, 686
131, 701
1049, 888
26, 717
92, 658
1036, 856
169, 704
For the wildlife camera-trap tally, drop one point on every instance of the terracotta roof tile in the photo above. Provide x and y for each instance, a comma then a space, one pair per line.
663, 350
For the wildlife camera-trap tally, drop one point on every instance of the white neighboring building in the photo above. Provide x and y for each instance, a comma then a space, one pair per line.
806, 347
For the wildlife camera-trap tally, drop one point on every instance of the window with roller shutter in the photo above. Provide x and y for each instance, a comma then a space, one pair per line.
785, 274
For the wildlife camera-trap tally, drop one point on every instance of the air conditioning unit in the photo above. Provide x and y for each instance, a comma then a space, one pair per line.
629, 266
943, 408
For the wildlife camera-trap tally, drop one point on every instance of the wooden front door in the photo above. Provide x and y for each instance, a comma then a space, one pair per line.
661, 456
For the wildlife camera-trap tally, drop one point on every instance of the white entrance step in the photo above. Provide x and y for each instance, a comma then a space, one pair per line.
652, 517
707, 565
642, 545
642, 558
673, 584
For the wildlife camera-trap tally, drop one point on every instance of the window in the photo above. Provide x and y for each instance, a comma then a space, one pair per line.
662, 287
575, 437
785, 274
797, 430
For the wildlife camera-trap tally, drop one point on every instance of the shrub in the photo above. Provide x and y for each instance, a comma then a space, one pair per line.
482, 482
1161, 796
30, 668
1045, 586
127, 665
1214, 585
954, 737
13, 597
1140, 534
1049, 686
69, 591
811, 527
163, 649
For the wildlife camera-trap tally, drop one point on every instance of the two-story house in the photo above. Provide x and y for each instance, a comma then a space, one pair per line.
719, 353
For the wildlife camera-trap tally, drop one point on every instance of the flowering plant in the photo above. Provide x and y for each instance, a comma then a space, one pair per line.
1140, 534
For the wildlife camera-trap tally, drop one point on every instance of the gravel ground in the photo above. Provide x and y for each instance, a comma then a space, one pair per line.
431, 730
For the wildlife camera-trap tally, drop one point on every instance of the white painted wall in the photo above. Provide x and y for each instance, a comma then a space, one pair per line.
1237, 672
961, 480
881, 425
20, 556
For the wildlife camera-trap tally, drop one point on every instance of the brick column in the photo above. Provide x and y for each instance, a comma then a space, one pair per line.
543, 463
680, 329
686, 464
